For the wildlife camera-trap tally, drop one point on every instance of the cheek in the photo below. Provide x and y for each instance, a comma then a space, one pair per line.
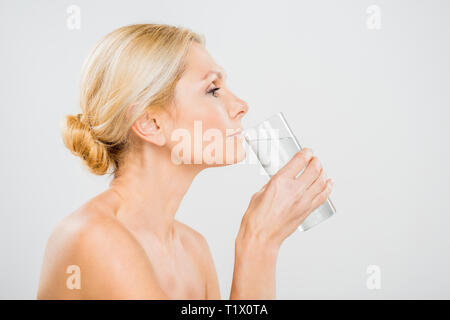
210, 113
214, 119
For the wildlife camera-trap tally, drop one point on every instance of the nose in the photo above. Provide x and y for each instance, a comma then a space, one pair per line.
240, 108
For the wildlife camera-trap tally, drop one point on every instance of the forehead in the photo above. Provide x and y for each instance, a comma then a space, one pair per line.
199, 62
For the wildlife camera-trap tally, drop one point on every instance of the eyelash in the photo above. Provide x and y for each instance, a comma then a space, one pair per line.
213, 91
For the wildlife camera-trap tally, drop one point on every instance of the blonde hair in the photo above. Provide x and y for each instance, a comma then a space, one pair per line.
134, 66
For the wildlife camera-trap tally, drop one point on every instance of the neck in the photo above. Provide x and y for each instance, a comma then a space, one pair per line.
151, 188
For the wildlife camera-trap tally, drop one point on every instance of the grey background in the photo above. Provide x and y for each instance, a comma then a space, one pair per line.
372, 104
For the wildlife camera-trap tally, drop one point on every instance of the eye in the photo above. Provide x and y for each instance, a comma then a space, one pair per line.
212, 91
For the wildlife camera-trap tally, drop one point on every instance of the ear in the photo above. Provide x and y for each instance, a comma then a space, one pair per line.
148, 127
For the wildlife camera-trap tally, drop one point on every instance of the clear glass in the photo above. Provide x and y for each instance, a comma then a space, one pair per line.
274, 144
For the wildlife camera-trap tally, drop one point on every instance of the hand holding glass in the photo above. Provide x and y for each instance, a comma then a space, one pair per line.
274, 144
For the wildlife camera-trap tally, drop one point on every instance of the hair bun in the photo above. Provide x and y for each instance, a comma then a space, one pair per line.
79, 139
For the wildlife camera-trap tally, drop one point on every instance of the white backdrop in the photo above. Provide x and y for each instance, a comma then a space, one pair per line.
365, 84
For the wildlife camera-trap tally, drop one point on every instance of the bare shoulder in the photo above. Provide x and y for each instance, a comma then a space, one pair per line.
90, 254
204, 254
192, 237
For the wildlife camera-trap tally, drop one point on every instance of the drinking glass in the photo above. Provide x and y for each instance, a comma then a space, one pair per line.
274, 144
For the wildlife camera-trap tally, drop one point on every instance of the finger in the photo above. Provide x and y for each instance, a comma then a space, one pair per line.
317, 186
309, 175
263, 188
323, 195
296, 164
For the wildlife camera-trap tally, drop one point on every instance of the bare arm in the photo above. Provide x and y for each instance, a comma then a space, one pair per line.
274, 213
254, 270
212, 281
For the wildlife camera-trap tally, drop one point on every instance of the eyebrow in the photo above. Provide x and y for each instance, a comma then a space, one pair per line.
220, 74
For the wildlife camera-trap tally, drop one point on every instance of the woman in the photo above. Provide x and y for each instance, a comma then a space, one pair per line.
143, 87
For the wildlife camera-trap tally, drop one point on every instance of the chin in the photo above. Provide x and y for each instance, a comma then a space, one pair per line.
241, 155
